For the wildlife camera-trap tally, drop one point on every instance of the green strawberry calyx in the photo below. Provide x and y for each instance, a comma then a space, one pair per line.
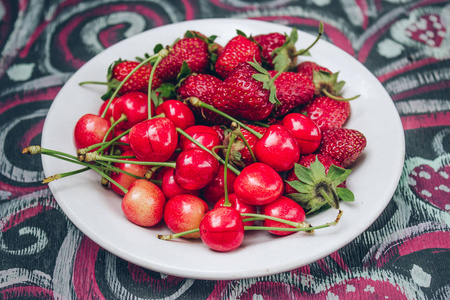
267, 81
327, 83
318, 190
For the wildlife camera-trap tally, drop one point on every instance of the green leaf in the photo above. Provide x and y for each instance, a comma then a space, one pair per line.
167, 90
260, 77
258, 68
239, 32
293, 36
189, 34
158, 48
318, 169
304, 174
345, 194
337, 174
302, 199
299, 186
184, 72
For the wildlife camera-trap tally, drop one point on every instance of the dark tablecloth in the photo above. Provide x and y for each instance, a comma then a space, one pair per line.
403, 255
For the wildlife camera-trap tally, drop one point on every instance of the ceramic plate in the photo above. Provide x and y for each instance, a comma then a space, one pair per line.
97, 212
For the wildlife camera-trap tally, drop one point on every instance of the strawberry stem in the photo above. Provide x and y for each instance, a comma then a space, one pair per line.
303, 51
328, 94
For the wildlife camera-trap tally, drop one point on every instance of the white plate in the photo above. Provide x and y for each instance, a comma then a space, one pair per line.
97, 213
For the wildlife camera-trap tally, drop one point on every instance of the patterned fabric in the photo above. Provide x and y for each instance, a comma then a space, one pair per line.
403, 255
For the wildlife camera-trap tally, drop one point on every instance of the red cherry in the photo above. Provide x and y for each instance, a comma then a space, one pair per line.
238, 205
154, 139
258, 184
277, 148
183, 213
123, 139
216, 188
305, 131
205, 135
222, 229
144, 203
169, 186
126, 180
283, 208
195, 168
134, 106
109, 112
89, 130
178, 112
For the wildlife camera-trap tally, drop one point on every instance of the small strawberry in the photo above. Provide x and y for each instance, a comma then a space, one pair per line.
327, 113
293, 89
193, 51
238, 50
240, 155
202, 86
306, 161
317, 188
307, 68
119, 70
268, 43
247, 93
343, 144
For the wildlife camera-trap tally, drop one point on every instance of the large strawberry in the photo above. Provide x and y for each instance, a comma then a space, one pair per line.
194, 51
238, 50
202, 86
343, 144
293, 89
327, 113
247, 93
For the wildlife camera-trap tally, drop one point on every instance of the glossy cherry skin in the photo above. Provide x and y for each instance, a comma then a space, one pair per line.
90, 129
258, 184
144, 203
205, 135
195, 168
238, 205
123, 139
178, 112
216, 188
283, 208
169, 186
222, 229
124, 179
184, 212
109, 112
135, 107
153, 140
305, 131
277, 148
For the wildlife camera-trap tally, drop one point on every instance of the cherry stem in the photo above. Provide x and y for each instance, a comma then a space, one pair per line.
257, 123
62, 175
93, 156
301, 52
198, 103
176, 235
287, 222
241, 135
181, 131
225, 169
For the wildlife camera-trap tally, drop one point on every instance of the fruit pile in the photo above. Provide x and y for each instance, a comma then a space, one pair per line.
216, 140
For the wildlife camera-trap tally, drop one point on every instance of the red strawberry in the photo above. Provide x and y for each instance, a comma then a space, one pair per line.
293, 89
244, 158
202, 86
238, 50
243, 96
343, 144
268, 43
138, 81
193, 51
308, 67
327, 113
306, 161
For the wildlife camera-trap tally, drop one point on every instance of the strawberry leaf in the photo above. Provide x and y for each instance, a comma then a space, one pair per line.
304, 174
337, 174
239, 32
345, 194
158, 48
